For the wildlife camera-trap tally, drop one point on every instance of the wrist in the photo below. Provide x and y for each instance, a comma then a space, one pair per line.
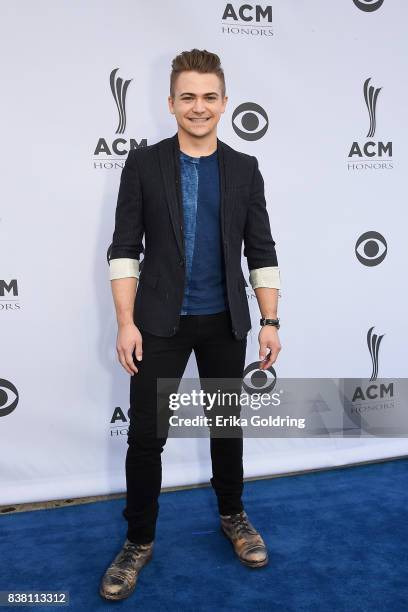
125, 323
267, 321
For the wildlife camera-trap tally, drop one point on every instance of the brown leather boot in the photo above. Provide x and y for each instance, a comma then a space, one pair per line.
119, 580
247, 542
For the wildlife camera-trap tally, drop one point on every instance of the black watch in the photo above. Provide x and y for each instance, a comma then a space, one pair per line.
274, 322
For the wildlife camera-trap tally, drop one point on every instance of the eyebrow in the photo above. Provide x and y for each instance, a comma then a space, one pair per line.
210, 93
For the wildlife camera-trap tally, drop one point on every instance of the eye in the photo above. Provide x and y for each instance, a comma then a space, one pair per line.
250, 121
258, 381
8, 397
371, 249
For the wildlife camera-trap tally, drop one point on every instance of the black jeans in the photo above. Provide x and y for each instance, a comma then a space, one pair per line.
218, 354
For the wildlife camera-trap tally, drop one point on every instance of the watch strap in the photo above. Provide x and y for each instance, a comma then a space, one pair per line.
273, 322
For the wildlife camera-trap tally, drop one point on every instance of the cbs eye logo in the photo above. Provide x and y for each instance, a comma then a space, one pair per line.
368, 6
371, 249
258, 381
253, 122
8, 397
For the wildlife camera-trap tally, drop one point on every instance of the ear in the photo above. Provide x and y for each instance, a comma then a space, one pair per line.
170, 103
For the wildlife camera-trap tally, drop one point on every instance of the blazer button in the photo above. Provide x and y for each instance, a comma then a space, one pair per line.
181, 262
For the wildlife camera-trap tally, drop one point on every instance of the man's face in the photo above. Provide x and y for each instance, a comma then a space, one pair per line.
197, 103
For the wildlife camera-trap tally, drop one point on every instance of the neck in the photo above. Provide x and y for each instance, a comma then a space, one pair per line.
196, 147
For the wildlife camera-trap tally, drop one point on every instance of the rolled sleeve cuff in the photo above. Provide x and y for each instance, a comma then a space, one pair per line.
265, 277
123, 267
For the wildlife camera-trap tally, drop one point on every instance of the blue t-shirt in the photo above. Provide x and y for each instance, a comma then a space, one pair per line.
205, 291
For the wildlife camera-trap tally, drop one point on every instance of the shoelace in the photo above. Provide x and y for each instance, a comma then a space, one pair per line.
241, 524
132, 551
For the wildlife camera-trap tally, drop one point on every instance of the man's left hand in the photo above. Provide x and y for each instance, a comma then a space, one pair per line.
268, 339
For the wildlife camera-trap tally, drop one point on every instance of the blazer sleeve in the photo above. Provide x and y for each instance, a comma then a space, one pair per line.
127, 241
259, 246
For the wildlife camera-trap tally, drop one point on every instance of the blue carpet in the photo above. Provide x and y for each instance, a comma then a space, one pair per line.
337, 541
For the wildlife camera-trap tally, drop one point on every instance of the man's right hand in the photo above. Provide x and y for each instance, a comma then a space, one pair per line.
129, 339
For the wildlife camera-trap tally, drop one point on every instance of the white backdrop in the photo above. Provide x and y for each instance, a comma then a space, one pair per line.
306, 67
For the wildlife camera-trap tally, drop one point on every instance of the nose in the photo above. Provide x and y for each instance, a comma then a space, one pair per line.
198, 106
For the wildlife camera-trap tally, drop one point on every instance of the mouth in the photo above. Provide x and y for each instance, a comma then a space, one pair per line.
198, 120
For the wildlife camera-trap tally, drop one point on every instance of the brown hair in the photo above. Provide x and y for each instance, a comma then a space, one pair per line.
199, 61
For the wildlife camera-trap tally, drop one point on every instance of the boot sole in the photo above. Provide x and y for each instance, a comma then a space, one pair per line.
119, 597
253, 564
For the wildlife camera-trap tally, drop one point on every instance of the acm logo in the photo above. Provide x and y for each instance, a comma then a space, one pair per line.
8, 287
119, 423
9, 295
119, 146
373, 391
369, 404
248, 13
371, 148
247, 19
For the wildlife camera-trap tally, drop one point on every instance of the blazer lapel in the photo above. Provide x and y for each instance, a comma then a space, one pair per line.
169, 152
171, 180
227, 199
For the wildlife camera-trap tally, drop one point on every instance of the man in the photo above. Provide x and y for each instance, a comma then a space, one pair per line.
195, 200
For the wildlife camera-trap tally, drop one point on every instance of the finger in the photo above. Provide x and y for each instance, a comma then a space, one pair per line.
262, 350
264, 361
264, 365
139, 350
130, 361
272, 357
122, 359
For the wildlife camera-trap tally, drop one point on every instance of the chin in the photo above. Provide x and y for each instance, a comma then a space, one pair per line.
200, 131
